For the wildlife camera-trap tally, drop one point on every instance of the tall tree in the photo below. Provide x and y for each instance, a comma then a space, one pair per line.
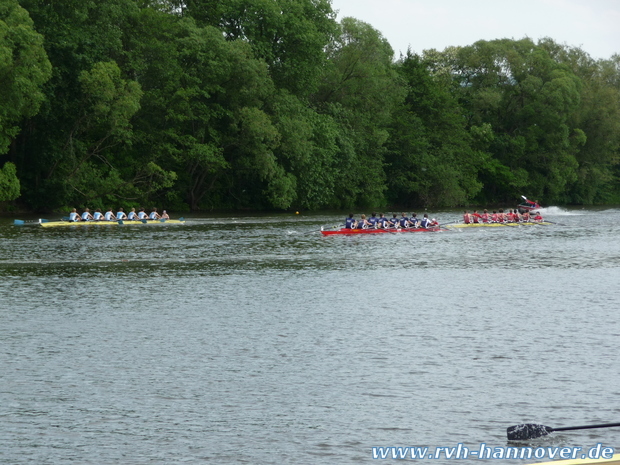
432, 159
24, 68
289, 35
360, 90
528, 99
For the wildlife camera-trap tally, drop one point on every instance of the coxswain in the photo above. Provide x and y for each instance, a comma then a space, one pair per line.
109, 215
74, 216
373, 220
164, 215
350, 223
363, 223
132, 216
121, 215
537, 217
98, 216
142, 215
154, 215
533, 204
467, 217
86, 216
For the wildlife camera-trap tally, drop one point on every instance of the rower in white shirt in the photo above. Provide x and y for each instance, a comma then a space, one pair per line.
74, 216
86, 216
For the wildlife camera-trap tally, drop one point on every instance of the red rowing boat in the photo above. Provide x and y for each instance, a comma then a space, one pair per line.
379, 231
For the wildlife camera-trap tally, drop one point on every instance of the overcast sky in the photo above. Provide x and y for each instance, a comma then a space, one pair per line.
592, 25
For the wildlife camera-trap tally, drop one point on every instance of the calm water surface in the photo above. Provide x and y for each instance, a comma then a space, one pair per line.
256, 340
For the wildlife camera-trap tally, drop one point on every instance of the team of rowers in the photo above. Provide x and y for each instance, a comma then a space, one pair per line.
512, 216
118, 216
382, 222
413, 222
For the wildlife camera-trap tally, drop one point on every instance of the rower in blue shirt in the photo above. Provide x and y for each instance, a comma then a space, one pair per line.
133, 216
109, 215
121, 215
404, 221
426, 223
393, 222
350, 223
414, 222
142, 215
382, 222
98, 216
373, 220
363, 223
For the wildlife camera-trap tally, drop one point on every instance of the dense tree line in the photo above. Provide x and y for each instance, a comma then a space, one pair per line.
273, 104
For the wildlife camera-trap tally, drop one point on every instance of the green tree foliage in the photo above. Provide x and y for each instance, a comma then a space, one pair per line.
288, 35
360, 90
9, 184
207, 104
528, 99
24, 68
432, 159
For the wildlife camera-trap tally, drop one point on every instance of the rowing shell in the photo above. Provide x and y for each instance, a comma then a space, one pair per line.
55, 224
379, 231
496, 225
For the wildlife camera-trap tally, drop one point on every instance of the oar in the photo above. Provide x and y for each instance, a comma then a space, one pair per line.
322, 229
532, 430
29, 222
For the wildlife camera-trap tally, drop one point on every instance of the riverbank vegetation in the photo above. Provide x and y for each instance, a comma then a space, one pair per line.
241, 104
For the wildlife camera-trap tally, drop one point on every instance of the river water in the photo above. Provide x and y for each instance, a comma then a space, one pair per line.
256, 340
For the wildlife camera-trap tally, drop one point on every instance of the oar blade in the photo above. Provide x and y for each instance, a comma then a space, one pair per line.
527, 431
19, 222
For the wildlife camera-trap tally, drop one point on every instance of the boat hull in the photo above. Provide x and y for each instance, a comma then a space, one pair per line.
528, 207
378, 231
64, 224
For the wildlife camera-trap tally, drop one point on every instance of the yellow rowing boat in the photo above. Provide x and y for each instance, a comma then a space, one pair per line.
56, 224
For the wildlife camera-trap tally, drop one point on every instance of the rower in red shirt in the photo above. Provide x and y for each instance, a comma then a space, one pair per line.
485, 216
467, 218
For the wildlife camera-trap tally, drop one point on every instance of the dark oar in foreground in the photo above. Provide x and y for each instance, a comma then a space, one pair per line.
532, 431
